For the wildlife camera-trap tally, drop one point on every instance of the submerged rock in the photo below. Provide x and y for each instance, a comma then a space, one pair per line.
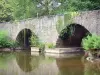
91, 59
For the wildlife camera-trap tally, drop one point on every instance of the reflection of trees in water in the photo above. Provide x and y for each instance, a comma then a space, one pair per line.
27, 62
5, 57
92, 68
70, 66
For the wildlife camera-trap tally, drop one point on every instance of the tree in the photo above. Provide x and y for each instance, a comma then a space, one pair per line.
77, 5
22, 9
47, 6
5, 11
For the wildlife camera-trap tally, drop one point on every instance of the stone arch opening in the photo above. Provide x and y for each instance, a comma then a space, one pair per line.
23, 38
71, 36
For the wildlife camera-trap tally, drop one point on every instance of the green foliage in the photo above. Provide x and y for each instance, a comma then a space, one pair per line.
68, 17
91, 42
77, 5
14, 44
5, 58
5, 41
41, 46
67, 31
34, 41
45, 8
50, 45
5, 11
23, 9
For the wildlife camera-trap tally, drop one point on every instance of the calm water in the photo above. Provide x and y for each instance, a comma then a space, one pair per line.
27, 63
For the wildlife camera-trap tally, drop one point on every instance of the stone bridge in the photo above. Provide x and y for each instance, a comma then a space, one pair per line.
47, 28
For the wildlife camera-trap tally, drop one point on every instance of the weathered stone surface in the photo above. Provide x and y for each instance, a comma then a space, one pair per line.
45, 27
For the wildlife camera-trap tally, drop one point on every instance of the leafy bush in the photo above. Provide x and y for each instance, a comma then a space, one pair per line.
41, 46
14, 44
50, 45
5, 41
91, 42
34, 41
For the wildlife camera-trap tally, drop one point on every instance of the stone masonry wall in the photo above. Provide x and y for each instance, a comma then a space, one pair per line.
90, 20
45, 27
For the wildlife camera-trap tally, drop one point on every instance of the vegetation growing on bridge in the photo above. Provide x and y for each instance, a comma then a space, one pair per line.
35, 42
23, 9
67, 32
50, 45
68, 19
59, 25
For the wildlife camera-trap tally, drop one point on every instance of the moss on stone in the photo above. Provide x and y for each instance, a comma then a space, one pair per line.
59, 24
68, 17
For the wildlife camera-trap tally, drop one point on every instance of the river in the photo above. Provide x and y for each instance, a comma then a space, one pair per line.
27, 63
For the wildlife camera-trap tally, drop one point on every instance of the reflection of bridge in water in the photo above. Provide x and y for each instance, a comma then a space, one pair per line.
24, 63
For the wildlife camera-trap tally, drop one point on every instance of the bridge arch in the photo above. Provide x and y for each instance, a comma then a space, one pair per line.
71, 36
23, 37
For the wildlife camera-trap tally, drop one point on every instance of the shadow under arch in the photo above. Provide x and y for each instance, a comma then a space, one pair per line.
71, 36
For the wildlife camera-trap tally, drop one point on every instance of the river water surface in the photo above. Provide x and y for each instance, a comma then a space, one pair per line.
27, 63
